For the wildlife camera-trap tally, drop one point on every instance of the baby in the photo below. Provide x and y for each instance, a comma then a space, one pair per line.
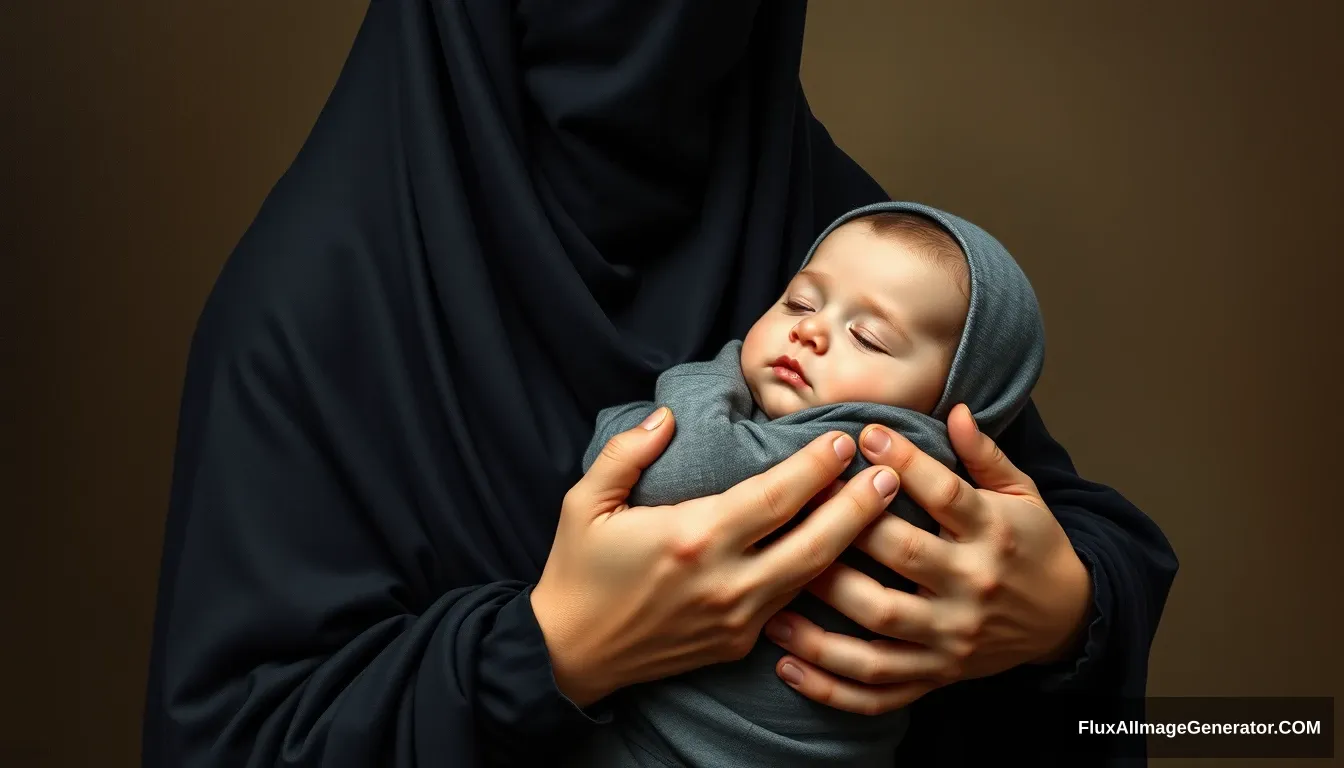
899, 312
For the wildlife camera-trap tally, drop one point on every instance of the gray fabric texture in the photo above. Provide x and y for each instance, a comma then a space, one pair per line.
740, 713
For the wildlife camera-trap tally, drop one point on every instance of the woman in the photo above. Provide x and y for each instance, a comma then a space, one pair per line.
380, 549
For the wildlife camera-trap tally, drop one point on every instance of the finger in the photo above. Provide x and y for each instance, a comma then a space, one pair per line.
910, 551
822, 497
608, 481
804, 552
759, 505
947, 498
983, 459
825, 688
888, 612
774, 605
880, 662
825, 495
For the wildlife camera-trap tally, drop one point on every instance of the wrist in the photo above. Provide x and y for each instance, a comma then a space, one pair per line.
1075, 583
576, 679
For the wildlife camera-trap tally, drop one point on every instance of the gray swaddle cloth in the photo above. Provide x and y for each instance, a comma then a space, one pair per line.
740, 713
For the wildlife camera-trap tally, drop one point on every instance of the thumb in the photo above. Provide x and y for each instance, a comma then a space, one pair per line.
626, 455
986, 462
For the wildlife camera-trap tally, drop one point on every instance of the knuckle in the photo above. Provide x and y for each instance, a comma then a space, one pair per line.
689, 544
985, 585
888, 620
947, 631
737, 616
815, 558
951, 670
572, 499
977, 580
817, 466
910, 551
854, 506
971, 630
870, 706
960, 650
966, 571
773, 499
720, 528
1006, 541
868, 670
740, 645
996, 455
723, 601
688, 550
949, 493
900, 459
735, 625
756, 592
615, 450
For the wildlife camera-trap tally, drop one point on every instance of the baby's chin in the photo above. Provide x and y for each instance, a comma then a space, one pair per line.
779, 413
777, 403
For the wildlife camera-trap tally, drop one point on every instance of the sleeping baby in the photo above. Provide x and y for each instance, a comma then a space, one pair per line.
899, 312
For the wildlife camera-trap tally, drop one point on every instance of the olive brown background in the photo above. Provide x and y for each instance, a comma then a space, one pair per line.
1169, 175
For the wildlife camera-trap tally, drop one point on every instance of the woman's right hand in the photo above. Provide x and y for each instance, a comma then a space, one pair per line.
631, 594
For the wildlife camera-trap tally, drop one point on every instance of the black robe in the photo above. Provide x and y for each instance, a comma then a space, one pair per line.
508, 216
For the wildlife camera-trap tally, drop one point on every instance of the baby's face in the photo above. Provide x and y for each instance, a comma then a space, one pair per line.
868, 320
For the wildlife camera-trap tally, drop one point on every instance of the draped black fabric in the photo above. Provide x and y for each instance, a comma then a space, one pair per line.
508, 216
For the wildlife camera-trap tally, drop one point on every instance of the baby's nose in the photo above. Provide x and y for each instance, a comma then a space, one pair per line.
811, 332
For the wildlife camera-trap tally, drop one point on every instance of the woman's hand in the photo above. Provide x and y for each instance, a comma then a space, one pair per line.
630, 594
1002, 586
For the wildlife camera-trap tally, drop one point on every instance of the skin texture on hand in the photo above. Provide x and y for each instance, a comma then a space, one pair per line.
1000, 587
631, 594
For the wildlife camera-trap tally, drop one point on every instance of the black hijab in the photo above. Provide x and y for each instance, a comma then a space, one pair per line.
508, 216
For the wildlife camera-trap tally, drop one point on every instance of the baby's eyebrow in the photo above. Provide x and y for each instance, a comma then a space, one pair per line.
815, 277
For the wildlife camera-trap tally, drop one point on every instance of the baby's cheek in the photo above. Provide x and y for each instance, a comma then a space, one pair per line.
926, 389
893, 385
753, 341
858, 386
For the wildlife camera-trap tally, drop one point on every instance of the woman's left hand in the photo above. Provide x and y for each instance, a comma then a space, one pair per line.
1002, 585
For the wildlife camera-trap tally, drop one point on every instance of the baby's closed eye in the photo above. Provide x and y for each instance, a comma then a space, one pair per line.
868, 340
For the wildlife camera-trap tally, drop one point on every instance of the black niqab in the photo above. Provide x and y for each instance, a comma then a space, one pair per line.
508, 216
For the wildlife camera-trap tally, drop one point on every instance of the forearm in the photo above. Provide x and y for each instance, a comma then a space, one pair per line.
467, 682
306, 621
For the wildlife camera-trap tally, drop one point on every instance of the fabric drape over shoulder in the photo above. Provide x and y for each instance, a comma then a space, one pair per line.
507, 217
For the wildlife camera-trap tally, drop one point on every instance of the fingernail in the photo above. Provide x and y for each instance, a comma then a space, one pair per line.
778, 631
844, 447
654, 419
885, 482
791, 674
876, 440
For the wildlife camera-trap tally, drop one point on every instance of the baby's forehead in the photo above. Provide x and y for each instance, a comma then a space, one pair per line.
882, 259
860, 263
